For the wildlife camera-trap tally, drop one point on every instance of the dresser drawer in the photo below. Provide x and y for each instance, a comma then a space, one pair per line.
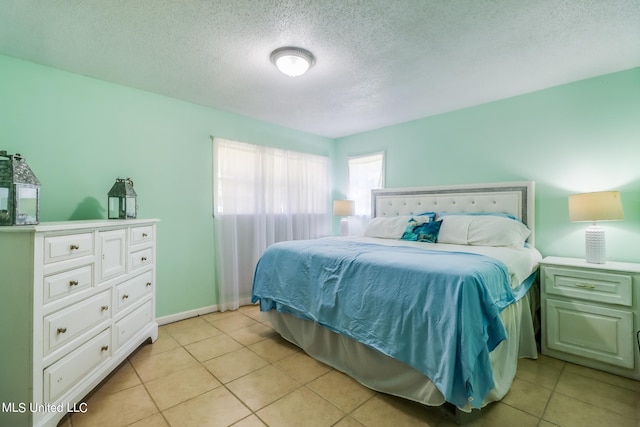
64, 325
587, 330
603, 287
67, 283
141, 235
133, 290
66, 372
140, 259
60, 248
133, 323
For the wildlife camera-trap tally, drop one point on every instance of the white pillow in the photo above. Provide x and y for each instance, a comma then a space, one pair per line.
454, 229
483, 230
391, 227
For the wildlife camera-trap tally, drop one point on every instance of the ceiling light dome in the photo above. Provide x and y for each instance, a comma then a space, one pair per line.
292, 61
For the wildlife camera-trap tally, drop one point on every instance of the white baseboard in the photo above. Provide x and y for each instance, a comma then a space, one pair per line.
196, 312
186, 315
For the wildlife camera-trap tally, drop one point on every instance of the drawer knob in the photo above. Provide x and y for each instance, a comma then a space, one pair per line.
148, 284
73, 283
74, 247
144, 258
104, 308
62, 330
125, 296
104, 348
144, 234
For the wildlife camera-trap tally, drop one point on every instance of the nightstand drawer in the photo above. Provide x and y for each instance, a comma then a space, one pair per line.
586, 330
602, 287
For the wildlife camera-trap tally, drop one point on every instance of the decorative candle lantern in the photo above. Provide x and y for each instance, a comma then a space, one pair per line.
19, 191
122, 200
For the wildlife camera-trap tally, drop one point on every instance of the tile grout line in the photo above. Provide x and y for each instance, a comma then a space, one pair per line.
222, 384
148, 394
553, 391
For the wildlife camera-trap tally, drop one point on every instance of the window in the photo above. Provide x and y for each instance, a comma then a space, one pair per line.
252, 179
262, 195
365, 174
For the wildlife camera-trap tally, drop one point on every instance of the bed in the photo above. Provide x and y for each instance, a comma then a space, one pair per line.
435, 303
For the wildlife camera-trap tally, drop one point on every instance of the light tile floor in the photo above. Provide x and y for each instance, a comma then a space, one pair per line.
229, 368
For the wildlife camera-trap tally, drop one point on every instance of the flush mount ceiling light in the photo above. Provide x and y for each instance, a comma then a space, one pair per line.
292, 61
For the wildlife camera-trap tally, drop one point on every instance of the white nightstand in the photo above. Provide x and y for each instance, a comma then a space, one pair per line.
591, 313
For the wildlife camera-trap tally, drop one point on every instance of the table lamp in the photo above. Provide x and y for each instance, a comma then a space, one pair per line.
344, 208
594, 207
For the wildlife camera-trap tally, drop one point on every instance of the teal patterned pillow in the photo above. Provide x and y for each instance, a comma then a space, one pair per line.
430, 215
426, 232
408, 232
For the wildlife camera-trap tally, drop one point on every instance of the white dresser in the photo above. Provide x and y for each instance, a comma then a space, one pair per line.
76, 298
591, 314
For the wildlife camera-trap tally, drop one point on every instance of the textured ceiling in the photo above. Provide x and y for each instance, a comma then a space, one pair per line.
378, 62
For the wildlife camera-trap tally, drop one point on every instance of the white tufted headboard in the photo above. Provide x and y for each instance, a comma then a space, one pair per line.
515, 198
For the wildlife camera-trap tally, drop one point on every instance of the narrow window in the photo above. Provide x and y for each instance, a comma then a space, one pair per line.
365, 174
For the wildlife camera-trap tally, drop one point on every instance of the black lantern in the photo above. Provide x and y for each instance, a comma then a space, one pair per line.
19, 191
122, 200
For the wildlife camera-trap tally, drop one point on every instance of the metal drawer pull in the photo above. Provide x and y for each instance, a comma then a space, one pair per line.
144, 234
104, 308
148, 284
73, 283
105, 348
73, 247
144, 258
62, 330
125, 296
585, 286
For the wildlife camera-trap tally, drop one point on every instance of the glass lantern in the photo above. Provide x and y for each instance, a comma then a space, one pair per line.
122, 202
19, 191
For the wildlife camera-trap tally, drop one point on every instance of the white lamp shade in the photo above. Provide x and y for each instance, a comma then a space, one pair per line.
598, 206
344, 207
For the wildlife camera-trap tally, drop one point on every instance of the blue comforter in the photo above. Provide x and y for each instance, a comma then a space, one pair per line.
435, 311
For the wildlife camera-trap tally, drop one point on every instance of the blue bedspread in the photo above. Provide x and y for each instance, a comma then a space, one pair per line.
435, 311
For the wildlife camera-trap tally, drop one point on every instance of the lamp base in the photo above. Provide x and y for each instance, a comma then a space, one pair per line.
595, 245
344, 227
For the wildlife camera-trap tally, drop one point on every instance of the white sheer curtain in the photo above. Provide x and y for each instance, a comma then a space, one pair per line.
365, 174
262, 195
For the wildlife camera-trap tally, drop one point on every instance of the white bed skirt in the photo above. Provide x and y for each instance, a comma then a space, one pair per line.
385, 374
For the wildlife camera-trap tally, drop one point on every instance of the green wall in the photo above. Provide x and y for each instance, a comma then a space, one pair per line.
79, 134
579, 137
